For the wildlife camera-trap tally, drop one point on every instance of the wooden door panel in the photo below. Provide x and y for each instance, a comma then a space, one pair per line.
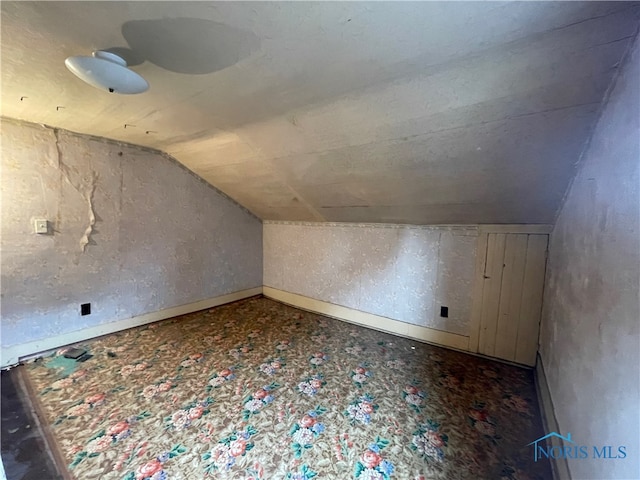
531, 307
491, 292
511, 296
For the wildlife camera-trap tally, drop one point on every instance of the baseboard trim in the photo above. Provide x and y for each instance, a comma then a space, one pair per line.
532, 229
559, 467
13, 354
377, 322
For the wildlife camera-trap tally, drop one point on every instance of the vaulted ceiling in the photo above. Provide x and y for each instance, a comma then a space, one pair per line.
423, 113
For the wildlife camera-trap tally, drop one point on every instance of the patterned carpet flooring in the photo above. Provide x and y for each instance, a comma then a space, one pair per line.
260, 390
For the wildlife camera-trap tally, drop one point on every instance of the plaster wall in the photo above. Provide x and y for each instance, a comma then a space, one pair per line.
130, 230
590, 333
399, 272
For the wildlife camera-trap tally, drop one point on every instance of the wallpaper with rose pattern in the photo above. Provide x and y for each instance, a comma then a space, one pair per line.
260, 390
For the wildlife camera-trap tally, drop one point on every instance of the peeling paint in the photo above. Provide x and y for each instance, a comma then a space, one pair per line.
133, 234
86, 238
85, 191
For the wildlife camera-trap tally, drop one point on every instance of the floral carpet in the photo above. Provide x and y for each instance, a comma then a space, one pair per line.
260, 390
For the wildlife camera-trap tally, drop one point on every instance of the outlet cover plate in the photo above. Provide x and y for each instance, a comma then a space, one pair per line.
41, 225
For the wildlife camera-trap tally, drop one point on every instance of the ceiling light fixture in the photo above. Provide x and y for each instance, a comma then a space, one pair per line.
107, 71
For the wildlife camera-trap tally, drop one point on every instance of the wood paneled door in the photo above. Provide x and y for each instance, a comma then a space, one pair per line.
508, 296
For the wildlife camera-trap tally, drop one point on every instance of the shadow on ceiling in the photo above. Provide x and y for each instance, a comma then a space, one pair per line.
185, 45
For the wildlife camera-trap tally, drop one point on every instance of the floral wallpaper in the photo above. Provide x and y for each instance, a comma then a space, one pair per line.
259, 390
400, 272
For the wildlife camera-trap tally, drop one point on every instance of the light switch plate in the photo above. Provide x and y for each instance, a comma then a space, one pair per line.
41, 225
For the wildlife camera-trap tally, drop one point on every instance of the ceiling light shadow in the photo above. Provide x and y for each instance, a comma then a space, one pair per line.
131, 57
188, 45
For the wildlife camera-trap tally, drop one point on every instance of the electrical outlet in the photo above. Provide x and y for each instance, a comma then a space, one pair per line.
444, 312
41, 225
85, 309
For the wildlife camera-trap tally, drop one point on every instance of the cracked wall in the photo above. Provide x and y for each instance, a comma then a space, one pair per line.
131, 231
86, 188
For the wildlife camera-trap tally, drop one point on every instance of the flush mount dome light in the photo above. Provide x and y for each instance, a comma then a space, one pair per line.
107, 71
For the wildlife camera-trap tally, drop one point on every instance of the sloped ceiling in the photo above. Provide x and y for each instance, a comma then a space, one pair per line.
423, 113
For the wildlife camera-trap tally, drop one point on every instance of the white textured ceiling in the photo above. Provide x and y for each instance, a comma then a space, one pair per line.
425, 113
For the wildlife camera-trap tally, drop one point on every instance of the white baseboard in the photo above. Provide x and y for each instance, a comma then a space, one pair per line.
13, 354
403, 329
535, 229
559, 467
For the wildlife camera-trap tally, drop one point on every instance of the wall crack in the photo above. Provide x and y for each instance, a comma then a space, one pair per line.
86, 238
86, 191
